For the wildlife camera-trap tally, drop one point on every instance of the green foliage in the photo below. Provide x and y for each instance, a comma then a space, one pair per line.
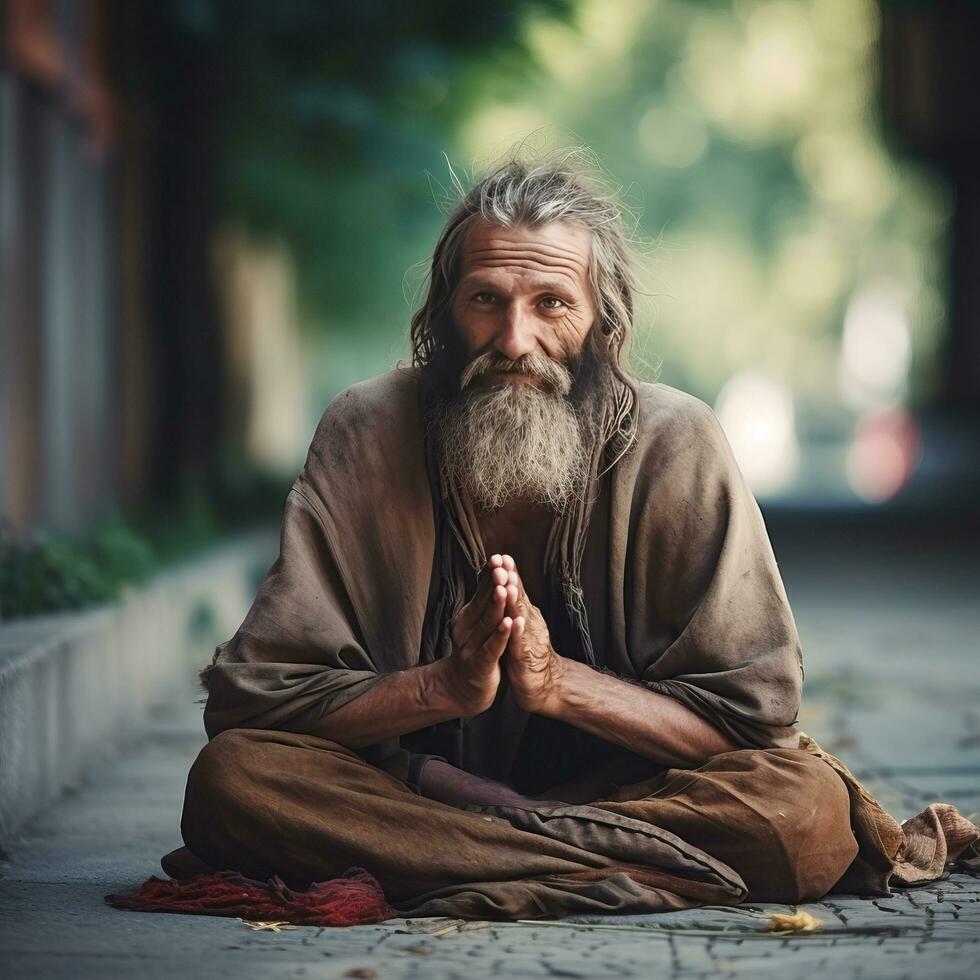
46, 571
331, 113
52, 571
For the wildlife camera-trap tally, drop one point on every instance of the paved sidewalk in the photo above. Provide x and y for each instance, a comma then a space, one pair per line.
891, 686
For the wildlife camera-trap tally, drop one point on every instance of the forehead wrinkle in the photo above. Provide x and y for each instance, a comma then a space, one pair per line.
532, 245
559, 276
523, 262
543, 253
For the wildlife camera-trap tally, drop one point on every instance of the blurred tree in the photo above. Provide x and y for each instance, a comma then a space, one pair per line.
302, 122
798, 255
330, 112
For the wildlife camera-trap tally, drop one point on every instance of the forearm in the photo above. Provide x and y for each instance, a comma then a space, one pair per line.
643, 721
404, 701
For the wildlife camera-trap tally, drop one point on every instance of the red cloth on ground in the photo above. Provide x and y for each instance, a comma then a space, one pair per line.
353, 899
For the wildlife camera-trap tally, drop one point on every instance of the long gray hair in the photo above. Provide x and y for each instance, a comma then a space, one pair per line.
562, 186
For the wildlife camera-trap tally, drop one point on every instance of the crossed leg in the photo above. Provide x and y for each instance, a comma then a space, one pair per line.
267, 802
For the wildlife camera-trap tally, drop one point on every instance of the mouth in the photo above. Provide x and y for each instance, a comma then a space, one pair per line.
494, 377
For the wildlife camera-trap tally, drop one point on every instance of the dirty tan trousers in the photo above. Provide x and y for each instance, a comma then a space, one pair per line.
759, 824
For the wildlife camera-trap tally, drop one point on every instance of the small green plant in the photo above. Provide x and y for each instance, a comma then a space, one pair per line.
47, 571
42, 571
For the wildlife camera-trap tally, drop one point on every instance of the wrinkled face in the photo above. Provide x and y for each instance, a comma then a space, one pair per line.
524, 291
523, 309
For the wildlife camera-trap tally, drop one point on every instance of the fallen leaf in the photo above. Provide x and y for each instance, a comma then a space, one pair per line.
798, 922
266, 926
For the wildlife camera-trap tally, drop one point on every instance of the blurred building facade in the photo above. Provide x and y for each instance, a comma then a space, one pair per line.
58, 427
930, 76
118, 378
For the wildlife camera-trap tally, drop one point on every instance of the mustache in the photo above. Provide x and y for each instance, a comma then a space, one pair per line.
536, 364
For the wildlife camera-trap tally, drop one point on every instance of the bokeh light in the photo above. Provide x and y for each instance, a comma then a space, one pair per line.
877, 346
757, 414
884, 454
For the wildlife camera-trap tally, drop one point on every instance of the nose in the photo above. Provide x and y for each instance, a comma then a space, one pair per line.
516, 337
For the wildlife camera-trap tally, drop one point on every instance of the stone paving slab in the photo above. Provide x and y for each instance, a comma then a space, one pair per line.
906, 725
105, 838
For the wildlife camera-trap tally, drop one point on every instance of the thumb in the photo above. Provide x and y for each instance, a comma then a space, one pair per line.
514, 644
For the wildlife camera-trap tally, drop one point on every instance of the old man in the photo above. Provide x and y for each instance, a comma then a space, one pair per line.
525, 650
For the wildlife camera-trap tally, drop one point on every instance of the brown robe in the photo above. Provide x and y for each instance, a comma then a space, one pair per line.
672, 584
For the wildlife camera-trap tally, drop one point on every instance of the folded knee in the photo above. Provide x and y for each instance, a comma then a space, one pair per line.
805, 822
240, 766
221, 766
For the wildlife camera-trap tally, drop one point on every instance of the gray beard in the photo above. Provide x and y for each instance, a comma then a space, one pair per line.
514, 441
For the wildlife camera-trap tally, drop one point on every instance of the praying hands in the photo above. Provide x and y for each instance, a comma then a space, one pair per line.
501, 619
533, 667
501, 629
500, 624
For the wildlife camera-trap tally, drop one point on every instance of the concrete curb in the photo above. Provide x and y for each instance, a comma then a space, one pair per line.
75, 686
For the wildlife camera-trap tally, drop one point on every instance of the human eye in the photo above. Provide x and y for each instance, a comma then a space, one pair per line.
552, 303
483, 298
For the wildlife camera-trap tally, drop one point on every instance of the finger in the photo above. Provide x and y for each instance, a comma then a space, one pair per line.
508, 562
517, 600
494, 611
470, 615
477, 619
514, 644
491, 574
489, 620
487, 572
494, 645
514, 578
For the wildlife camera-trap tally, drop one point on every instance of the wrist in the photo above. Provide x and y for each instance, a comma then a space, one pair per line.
439, 690
443, 692
563, 682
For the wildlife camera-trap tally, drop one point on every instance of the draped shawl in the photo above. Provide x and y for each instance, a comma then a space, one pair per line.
677, 578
